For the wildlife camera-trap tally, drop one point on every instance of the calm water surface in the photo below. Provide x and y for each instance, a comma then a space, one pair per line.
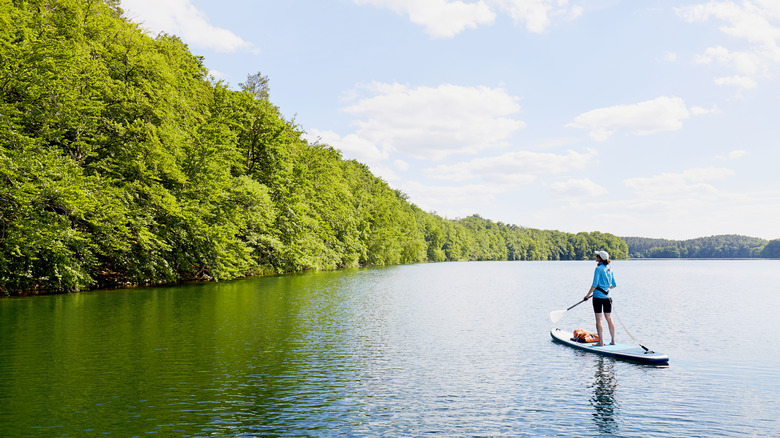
449, 349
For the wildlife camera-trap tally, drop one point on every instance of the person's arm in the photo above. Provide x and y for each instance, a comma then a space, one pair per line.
589, 294
593, 287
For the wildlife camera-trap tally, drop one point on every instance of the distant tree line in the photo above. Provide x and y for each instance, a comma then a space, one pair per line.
123, 162
725, 246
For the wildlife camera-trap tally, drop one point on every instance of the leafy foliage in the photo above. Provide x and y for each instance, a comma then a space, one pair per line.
122, 162
725, 246
771, 250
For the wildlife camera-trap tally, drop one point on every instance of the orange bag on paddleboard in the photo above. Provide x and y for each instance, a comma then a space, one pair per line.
582, 335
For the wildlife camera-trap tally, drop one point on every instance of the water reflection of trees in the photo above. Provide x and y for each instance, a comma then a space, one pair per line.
605, 405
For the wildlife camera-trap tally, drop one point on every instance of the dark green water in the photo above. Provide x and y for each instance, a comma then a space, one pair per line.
453, 349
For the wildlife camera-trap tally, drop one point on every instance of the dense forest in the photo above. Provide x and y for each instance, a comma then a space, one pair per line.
726, 246
122, 162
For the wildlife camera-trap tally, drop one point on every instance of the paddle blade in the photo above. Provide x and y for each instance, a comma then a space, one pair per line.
556, 315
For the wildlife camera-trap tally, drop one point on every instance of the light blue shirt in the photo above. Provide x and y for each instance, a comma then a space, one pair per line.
603, 278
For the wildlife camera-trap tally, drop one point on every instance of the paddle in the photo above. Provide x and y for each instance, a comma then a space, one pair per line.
647, 350
556, 315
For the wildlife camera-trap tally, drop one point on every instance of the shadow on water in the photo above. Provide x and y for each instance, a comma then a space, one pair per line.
604, 401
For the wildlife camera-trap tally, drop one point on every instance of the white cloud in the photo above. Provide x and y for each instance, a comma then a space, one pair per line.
536, 13
352, 146
733, 155
488, 179
441, 18
748, 20
752, 22
747, 63
183, 19
384, 172
401, 165
741, 82
217, 74
701, 111
578, 188
457, 201
707, 173
643, 118
685, 185
516, 168
434, 123
669, 57
770, 8
447, 18
671, 217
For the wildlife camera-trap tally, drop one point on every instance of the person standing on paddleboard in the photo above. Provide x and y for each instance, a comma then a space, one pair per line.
603, 281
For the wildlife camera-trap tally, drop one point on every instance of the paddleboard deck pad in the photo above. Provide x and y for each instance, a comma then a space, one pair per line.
619, 351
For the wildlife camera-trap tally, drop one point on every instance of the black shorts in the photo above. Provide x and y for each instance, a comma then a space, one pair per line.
602, 305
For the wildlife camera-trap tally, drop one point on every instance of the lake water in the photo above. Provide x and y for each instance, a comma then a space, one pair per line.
446, 349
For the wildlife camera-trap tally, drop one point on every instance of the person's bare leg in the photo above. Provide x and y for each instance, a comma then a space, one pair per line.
611, 326
599, 330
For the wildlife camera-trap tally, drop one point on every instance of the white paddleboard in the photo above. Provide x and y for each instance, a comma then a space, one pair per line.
632, 353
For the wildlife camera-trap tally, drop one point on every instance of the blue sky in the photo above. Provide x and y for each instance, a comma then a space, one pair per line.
652, 118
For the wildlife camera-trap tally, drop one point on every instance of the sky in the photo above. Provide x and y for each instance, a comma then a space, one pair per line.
651, 118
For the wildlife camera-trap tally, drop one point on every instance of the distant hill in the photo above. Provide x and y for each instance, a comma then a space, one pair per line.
724, 246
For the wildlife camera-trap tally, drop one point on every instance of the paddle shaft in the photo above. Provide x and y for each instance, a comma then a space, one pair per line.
578, 303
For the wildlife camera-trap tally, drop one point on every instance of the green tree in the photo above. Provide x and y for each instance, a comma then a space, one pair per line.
122, 162
256, 85
771, 250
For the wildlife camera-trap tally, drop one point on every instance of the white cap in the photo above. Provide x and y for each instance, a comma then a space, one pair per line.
603, 254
